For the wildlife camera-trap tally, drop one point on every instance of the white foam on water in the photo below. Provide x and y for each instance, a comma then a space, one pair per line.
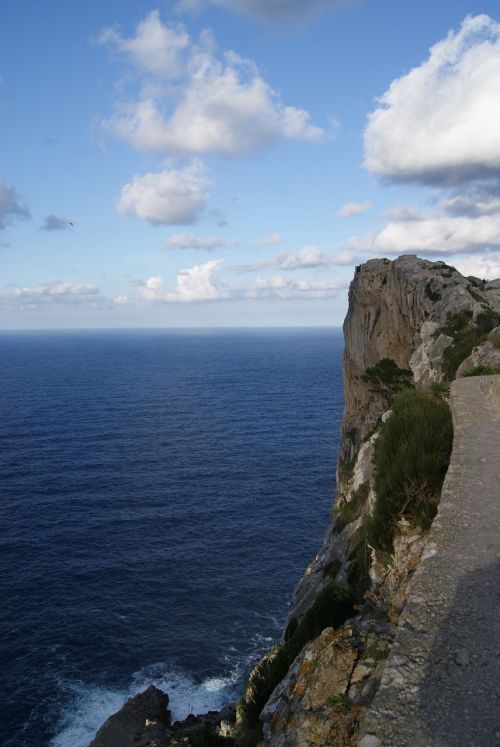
91, 705
89, 709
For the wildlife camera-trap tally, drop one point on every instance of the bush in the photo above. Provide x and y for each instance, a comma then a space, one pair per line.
411, 459
440, 389
386, 379
466, 335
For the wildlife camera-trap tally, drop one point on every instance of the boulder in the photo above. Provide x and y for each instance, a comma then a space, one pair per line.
144, 720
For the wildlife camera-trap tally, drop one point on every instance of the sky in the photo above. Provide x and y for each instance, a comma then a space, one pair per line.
219, 163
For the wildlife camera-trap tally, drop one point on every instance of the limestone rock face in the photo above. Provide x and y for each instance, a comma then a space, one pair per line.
396, 310
404, 310
389, 304
143, 720
309, 707
486, 354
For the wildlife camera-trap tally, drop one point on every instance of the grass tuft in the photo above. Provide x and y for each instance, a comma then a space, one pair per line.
481, 371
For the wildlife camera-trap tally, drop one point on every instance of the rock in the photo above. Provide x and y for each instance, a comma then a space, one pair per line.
143, 720
485, 354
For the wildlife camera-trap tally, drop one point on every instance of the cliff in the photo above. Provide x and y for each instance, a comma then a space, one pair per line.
415, 322
412, 327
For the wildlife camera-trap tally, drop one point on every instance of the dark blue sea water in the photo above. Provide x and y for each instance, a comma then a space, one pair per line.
161, 493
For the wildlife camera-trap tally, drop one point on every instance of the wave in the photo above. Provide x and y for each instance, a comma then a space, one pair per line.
91, 705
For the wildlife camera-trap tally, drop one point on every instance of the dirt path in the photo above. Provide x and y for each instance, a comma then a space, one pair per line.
441, 687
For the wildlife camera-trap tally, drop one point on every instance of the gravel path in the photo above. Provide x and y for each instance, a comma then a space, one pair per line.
441, 686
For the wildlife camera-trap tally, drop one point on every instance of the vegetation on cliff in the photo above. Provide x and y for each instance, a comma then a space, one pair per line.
467, 333
411, 458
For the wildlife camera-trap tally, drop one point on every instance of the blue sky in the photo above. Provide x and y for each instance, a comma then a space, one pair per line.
229, 162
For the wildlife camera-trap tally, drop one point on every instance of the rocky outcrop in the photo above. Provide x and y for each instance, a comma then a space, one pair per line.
397, 310
429, 319
144, 720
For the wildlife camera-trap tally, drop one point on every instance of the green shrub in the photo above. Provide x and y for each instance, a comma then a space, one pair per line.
466, 335
411, 458
481, 371
440, 388
386, 379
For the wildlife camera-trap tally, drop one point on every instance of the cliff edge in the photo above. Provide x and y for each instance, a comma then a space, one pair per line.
412, 328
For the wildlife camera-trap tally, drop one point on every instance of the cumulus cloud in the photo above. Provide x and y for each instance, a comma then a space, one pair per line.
156, 48
188, 241
55, 294
168, 197
440, 235
487, 267
354, 208
55, 223
281, 287
438, 124
12, 206
308, 257
198, 283
202, 283
267, 9
218, 104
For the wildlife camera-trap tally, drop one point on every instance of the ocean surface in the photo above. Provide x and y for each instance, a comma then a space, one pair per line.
161, 493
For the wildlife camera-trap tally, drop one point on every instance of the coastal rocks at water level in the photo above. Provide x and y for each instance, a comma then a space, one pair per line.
143, 720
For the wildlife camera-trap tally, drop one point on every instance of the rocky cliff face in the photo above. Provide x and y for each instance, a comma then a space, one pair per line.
427, 318
431, 324
397, 310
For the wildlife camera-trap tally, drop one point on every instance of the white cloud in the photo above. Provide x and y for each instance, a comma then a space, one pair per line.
281, 287
487, 267
308, 257
55, 223
267, 9
188, 241
354, 208
198, 283
273, 239
12, 206
218, 105
168, 197
441, 235
156, 48
438, 124
55, 294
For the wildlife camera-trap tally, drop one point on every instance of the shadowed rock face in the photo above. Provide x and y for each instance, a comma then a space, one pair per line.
142, 720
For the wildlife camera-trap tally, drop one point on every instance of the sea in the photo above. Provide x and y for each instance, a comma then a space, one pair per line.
161, 493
